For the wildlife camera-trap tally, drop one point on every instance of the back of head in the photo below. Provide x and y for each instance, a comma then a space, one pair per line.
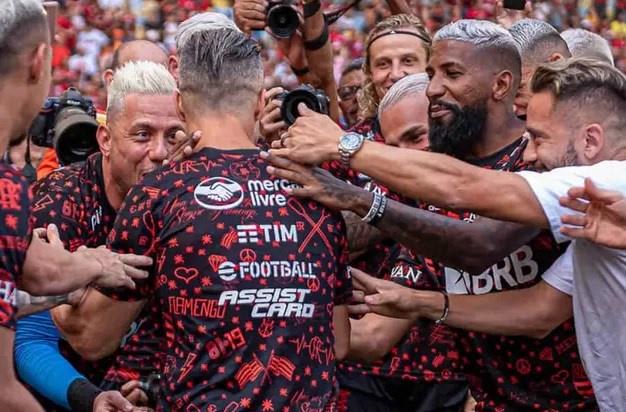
141, 78
138, 50
220, 70
590, 90
202, 22
23, 25
538, 41
583, 43
414, 84
495, 44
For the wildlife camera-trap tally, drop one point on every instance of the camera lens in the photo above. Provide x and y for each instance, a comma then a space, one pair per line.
307, 95
75, 136
283, 20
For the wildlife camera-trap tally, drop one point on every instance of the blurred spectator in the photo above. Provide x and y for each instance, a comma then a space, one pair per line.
88, 31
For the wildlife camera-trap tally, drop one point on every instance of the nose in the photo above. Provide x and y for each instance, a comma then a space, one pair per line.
435, 89
158, 150
397, 72
530, 152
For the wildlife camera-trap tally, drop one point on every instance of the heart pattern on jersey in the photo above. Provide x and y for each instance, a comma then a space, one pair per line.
186, 274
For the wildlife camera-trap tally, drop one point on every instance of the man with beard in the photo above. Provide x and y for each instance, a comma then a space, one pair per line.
538, 43
579, 102
474, 69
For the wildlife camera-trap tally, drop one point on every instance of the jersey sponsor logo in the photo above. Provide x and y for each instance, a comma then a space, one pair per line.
516, 269
406, 272
267, 233
96, 218
267, 192
229, 271
271, 302
218, 193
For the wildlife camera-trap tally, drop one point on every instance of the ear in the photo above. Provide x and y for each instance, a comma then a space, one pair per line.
103, 135
37, 63
594, 141
555, 57
503, 85
260, 105
172, 66
180, 109
107, 77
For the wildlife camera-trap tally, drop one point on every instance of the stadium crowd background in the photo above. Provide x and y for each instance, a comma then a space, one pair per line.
89, 31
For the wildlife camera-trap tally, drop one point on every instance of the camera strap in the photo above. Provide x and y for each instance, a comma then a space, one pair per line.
311, 8
334, 15
320, 41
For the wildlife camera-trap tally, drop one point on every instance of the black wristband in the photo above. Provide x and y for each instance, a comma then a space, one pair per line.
380, 211
81, 395
318, 43
311, 8
300, 72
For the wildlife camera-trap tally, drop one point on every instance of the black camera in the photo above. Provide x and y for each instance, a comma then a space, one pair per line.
313, 98
282, 18
68, 124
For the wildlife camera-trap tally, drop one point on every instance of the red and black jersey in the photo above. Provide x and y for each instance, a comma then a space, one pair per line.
74, 199
15, 233
246, 278
422, 372
513, 373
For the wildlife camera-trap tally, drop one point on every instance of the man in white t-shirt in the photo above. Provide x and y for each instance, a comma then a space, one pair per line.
576, 116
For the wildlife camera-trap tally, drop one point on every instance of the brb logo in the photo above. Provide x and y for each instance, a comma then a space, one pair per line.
218, 193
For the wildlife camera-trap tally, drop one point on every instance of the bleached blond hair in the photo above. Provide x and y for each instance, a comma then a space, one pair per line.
138, 77
411, 85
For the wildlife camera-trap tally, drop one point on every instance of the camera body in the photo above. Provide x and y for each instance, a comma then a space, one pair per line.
282, 18
313, 98
68, 124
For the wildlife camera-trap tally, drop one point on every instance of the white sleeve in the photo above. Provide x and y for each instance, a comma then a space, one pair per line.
561, 274
548, 187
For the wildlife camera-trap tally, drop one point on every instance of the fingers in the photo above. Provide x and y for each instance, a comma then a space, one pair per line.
135, 260
184, 145
575, 232
137, 397
130, 386
40, 233
358, 309
135, 273
52, 232
574, 220
305, 111
577, 193
574, 203
114, 400
596, 194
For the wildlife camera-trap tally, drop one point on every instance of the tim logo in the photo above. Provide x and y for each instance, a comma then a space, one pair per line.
218, 193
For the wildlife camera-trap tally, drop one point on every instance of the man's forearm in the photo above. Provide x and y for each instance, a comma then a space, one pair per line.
522, 312
441, 238
28, 304
50, 271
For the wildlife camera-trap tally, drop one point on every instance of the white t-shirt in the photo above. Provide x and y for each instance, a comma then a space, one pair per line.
598, 281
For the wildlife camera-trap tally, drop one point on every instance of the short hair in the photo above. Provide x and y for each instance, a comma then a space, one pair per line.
354, 65
222, 69
368, 100
403, 88
138, 77
537, 40
23, 24
596, 89
583, 43
202, 22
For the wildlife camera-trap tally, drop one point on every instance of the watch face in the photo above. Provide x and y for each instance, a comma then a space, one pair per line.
351, 141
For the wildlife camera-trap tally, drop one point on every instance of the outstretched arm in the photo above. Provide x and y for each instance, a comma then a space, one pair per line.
430, 177
439, 237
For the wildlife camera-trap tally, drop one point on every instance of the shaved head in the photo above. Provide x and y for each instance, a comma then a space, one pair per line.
137, 50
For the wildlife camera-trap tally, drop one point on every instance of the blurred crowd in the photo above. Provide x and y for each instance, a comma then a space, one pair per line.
89, 31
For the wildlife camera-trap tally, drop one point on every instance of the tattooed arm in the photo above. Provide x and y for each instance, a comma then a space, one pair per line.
361, 235
28, 304
468, 246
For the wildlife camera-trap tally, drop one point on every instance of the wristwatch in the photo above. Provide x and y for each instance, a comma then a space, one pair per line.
349, 144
